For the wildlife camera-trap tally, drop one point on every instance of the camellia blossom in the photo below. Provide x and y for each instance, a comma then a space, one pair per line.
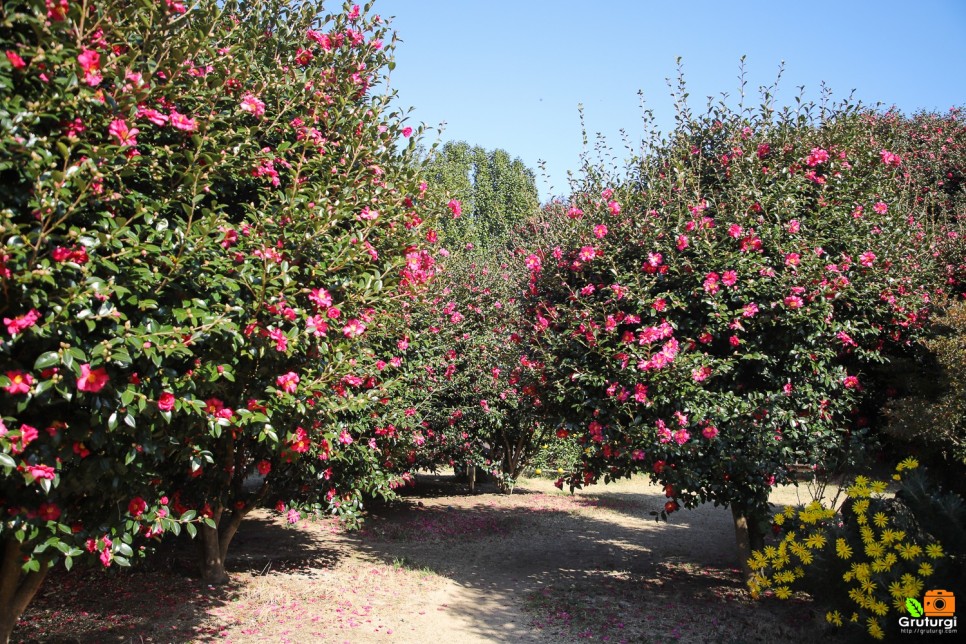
92, 380
124, 134
137, 506
166, 401
21, 322
709, 432
251, 104
15, 59
587, 253
881, 207
600, 230
288, 382
182, 122
867, 259
353, 328
455, 207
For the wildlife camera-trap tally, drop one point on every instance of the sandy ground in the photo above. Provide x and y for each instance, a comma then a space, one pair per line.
534, 566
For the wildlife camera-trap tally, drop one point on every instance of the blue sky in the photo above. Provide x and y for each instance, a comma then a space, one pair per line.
510, 74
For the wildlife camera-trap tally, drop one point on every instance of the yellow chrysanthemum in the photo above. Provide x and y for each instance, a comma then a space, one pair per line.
888, 536
878, 487
925, 569
789, 511
909, 551
861, 507
867, 535
854, 618
934, 551
908, 464
861, 570
879, 608
875, 630
815, 541
890, 560
895, 589
834, 617
874, 549
779, 519
868, 586
843, 549
783, 592
880, 565
880, 519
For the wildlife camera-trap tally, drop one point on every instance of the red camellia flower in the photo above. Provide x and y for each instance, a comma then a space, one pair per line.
137, 506
456, 208
92, 380
671, 506
166, 401
15, 60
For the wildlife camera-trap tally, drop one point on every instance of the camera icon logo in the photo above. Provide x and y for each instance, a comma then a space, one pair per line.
939, 603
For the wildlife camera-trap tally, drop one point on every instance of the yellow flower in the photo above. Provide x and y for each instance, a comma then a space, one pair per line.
879, 608
925, 569
843, 549
890, 560
909, 551
868, 586
934, 551
815, 541
896, 590
874, 550
861, 507
770, 552
790, 511
861, 570
779, 519
783, 592
854, 618
888, 536
867, 535
880, 565
908, 464
834, 617
880, 519
878, 487
875, 630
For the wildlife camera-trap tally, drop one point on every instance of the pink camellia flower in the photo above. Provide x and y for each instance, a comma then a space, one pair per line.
288, 382
301, 443
880, 207
137, 506
600, 230
166, 401
709, 432
851, 382
293, 516
21, 322
367, 214
251, 104
867, 259
682, 242
455, 207
614, 208
92, 380
15, 60
794, 302
353, 328
749, 310
90, 62
701, 374
40, 472
125, 135
182, 122
574, 212
345, 437
890, 158
320, 297
794, 226
792, 259
729, 278
152, 115
533, 263
817, 156
56, 10
407, 132
681, 436
587, 253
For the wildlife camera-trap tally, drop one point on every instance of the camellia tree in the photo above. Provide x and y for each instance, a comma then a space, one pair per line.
710, 319
209, 216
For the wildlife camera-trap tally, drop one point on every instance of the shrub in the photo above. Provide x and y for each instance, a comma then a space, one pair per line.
710, 319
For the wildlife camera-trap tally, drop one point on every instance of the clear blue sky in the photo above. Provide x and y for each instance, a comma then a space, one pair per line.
510, 74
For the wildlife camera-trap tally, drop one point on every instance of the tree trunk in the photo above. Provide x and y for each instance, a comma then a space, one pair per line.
214, 544
748, 536
471, 476
16, 588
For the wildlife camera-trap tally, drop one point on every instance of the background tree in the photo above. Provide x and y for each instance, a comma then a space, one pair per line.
496, 192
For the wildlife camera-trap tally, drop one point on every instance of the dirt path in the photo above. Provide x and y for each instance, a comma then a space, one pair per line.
535, 566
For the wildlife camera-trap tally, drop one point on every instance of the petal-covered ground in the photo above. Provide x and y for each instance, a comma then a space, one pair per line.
534, 566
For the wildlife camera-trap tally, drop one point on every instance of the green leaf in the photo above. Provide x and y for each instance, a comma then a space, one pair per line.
48, 359
7, 461
192, 529
914, 607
